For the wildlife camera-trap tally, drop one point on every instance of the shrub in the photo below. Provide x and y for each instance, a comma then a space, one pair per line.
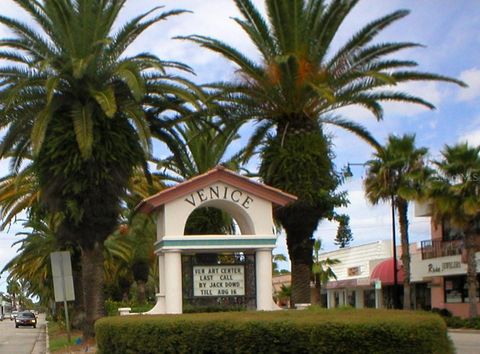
111, 307
457, 322
442, 312
202, 309
309, 331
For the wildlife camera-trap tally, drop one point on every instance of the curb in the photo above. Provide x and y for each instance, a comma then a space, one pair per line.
464, 330
41, 342
47, 340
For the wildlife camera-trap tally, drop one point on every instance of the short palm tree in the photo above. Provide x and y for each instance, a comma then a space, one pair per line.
18, 193
75, 100
455, 196
197, 147
397, 174
31, 265
322, 270
294, 89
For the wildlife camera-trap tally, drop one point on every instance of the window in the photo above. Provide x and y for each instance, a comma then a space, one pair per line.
450, 232
369, 298
456, 289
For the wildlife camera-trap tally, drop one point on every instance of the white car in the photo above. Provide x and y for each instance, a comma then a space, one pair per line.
13, 315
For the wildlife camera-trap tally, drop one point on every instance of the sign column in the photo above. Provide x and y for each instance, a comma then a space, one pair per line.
263, 270
173, 278
161, 288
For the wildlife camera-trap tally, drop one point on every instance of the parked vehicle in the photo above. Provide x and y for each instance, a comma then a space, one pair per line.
13, 315
26, 318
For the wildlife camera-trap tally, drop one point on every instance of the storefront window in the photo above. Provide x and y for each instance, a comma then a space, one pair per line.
369, 298
351, 298
456, 289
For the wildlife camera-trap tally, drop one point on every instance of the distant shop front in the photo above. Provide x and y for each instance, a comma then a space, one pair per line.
447, 280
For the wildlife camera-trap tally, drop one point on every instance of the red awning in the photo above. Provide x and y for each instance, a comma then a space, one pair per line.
384, 272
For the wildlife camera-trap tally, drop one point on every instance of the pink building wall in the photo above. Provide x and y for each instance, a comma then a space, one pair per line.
436, 231
438, 300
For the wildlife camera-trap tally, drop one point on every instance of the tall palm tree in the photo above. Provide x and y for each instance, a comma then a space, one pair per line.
455, 196
397, 174
75, 99
294, 89
13, 289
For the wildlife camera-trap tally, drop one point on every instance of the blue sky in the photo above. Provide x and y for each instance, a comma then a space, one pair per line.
449, 30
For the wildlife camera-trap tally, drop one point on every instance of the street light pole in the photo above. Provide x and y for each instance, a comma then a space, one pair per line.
396, 302
347, 172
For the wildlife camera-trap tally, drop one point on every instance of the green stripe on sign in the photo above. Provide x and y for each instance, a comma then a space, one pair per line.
198, 243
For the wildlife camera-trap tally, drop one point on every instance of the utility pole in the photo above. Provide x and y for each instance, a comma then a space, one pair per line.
396, 302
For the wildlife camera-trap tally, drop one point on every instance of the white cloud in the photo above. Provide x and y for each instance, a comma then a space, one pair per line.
428, 91
472, 78
370, 223
472, 138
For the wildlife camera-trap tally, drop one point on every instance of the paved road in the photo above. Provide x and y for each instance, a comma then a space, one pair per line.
466, 342
23, 340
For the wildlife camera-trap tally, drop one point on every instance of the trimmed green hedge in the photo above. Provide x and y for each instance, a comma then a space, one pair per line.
309, 331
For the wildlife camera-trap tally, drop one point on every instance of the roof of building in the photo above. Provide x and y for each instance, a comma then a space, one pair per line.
217, 174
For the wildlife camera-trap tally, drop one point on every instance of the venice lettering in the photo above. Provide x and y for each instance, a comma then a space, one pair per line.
219, 192
225, 280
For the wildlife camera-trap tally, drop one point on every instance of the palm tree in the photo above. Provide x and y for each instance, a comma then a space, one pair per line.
13, 289
18, 193
197, 147
31, 265
397, 174
75, 99
322, 270
455, 196
295, 89
276, 258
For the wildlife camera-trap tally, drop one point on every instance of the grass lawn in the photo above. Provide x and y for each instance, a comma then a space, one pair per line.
58, 339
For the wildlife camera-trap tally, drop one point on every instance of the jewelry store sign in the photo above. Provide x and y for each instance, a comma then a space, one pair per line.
443, 267
219, 280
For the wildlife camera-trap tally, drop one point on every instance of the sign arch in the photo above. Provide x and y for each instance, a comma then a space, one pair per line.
250, 203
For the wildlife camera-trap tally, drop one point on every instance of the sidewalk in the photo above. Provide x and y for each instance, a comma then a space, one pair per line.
40, 346
466, 341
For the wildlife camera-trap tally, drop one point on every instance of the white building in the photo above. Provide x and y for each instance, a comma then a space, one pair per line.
354, 285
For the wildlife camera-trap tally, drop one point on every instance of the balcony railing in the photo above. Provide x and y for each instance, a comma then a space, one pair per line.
438, 248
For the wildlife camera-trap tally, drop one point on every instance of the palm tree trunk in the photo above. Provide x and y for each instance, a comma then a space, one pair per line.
300, 283
92, 274
78, 316
300, 249
316, 297
471, 273
140, 291
402, 207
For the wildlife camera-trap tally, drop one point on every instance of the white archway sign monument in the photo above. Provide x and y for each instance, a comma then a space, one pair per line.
250, 203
